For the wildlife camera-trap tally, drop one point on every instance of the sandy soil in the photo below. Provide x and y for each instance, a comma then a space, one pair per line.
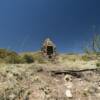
50, 81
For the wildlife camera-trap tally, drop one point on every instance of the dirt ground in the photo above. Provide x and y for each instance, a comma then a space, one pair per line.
48, 82
70, 77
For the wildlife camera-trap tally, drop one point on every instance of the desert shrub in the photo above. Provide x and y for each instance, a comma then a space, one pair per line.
3, 53
71, 53
28, 58
2, 61
39, 58
13, 57
94, 45
98, 64
7, 56
33, 57
70, 57
98, 53
85, 58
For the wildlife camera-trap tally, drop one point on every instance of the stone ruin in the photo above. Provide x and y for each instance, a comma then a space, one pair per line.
48, 49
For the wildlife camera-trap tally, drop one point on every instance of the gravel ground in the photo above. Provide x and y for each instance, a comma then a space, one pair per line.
38, 82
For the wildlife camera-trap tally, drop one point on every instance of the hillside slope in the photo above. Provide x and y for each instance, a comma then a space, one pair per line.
71, 77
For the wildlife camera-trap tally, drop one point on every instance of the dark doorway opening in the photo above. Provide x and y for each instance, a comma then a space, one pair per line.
49, 50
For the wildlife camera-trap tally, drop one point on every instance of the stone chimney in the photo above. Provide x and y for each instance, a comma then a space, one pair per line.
48, 48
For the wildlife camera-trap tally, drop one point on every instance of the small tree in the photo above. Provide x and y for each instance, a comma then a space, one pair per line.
94, 45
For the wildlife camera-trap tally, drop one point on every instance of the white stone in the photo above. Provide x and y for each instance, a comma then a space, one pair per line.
68, 93
12, 96
68, 78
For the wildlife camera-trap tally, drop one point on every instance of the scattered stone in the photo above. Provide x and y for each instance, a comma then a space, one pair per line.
68, 93
68, 78
12, 96
29, 82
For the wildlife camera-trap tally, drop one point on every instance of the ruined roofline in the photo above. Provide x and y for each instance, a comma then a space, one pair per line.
48, 42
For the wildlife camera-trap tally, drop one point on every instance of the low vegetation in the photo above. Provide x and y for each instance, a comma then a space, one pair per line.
11, 57
98, 64
7, 56
93, 46
85, 58
26, 76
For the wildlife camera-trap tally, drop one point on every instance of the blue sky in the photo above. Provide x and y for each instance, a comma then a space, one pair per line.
24, 24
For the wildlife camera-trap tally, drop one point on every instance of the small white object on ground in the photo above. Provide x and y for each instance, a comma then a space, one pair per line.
12, 96
68, 93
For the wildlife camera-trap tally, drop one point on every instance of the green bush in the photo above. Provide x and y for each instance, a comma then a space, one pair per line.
98, 64
28, 58
85, 58
13, 58
98, 53
7, 56
3, 53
